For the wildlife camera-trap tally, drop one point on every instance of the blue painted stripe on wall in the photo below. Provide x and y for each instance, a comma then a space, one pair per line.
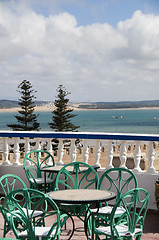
79, 135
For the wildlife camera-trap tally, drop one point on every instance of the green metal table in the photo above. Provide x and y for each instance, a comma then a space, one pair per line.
81, 196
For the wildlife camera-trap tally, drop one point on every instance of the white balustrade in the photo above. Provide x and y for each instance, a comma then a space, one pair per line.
95, 144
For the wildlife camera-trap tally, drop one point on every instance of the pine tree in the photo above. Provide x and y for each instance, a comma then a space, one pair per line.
61, 120
27, 119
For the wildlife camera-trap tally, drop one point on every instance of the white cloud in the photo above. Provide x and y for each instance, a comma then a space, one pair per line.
142, 32
95, 62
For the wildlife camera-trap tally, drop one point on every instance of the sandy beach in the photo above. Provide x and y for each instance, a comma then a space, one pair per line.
37, 109
75, 107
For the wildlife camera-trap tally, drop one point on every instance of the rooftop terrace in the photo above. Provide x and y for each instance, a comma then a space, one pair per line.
95, 149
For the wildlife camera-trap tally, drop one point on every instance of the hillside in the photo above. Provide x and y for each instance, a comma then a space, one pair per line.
91, 105
4, 103
116, 105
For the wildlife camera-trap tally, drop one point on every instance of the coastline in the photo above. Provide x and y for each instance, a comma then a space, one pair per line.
50, 109
37, 109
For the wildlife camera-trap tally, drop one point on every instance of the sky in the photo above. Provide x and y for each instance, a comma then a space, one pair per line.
99, 50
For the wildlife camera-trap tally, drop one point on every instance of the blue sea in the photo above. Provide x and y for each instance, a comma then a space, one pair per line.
115, 121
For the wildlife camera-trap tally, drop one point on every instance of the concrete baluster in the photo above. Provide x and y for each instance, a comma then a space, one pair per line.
151, 156
137, 157
38, 145
27, 150
97, 153
27, 146
110, 154
123, 156
85, 151
60, 152
73, 150
49, 149
5, 152
16, 152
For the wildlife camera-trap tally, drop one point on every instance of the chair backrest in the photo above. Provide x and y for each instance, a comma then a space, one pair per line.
35, 160
118, 180
10, 182
77, 175
33, 200
135, 203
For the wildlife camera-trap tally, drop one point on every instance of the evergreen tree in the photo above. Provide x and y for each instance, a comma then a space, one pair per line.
61, 120
27, 119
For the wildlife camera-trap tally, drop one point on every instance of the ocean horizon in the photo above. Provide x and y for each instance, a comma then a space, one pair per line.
142, 121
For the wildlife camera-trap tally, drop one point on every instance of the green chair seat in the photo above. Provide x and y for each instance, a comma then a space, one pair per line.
108, 210
40, 232
122, 230
41, 180
30, 212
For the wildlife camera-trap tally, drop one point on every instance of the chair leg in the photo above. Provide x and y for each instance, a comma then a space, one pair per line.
88, 224
58, 237
138, 237
5, 229
63, 223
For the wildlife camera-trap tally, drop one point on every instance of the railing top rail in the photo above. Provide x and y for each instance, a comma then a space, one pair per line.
81, 135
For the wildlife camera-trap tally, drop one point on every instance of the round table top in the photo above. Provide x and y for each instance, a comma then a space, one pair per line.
57, 168
79, 196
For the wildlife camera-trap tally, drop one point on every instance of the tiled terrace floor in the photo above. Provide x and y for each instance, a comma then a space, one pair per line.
151, 228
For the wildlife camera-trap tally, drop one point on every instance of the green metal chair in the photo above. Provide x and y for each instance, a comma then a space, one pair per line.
76, 175
118, 180
34, 161
8, 183
24, 201
130, 224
